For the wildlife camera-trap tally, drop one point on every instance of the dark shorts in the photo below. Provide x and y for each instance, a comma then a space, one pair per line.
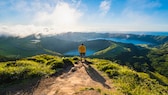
82, 54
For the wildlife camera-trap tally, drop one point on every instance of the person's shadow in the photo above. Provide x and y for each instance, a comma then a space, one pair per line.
94, 75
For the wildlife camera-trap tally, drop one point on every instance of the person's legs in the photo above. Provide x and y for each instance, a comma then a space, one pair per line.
82, 56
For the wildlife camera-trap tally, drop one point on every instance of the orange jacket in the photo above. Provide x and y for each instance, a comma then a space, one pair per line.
82, 49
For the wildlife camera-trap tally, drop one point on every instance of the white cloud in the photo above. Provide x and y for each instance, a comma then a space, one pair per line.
63, 15
31, 7
19, 30
105, 7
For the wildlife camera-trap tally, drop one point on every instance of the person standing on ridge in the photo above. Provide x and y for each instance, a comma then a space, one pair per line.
82, 51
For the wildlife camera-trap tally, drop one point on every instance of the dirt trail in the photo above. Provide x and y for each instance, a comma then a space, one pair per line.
80, 80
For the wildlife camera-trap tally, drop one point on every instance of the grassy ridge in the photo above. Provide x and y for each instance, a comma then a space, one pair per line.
129, 81
37, 66
125, 80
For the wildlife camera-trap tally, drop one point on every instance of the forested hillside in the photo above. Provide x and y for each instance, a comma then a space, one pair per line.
159, 58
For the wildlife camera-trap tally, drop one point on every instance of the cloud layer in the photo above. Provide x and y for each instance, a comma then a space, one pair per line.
63, 14
57, 18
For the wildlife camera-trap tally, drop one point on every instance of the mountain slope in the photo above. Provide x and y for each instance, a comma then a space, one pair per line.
70, 82
84, 79
129, 81
159, 58
138, 57
29, 46
20, 47
111, 51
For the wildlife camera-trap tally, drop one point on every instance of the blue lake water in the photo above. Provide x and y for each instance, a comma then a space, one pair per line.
90, 52
150, 33
75, 52
123, 40
128, 41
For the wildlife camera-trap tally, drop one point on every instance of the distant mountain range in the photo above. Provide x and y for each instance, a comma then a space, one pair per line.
62, 43
139, 57
76, 36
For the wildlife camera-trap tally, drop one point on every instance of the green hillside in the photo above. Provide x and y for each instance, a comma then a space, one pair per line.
113, 50
59, 44
127, 54
125, 80
63, 46
159, 58
14, 47
129, 81
140, 58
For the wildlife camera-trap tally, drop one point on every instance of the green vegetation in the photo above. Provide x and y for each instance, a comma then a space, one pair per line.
112, 51
151, 60
140, 58
159, 59
99, 90
127, 54
125, 80
162, 79
37, 66
129, 81
14, 47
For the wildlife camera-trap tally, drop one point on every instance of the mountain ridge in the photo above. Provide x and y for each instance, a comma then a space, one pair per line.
120, 79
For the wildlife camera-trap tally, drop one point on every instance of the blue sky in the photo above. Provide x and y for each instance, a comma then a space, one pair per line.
24, 17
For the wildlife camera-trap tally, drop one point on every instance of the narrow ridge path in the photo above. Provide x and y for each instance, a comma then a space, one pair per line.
75, 82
